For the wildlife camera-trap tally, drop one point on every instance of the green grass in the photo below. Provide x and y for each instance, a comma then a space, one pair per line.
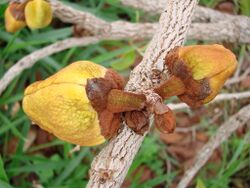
49, 163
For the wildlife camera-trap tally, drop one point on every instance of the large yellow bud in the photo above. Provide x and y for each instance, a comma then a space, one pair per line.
14, 17
197, 73
71, 104
38, 14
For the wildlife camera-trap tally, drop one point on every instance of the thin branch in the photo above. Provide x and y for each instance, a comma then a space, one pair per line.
201, 14
29, 60
110, 167
219, 23
219, 98
70, 15
235, 80
227, 31
238, 79
222, 134
232, 29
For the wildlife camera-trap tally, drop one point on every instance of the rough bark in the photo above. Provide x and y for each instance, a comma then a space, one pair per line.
110, 167
223, 27
201, 14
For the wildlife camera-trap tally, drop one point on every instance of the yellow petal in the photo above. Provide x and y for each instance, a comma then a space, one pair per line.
206, 61
216, 82
12, 25
38, 14
60, 104
77, 73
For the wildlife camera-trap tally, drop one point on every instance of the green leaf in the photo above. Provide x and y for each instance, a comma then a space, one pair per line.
4, 184
200, 184
14, 123
245, 7
112, 54
7, 122
71, 166
8, 38
156, 181
49, 165
124, 62
3, 175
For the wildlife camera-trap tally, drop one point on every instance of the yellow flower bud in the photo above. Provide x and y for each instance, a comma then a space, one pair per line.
14, 19
38, 14
198, 73
213, 63
61, 104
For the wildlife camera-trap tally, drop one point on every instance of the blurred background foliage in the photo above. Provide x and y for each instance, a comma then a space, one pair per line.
31, 157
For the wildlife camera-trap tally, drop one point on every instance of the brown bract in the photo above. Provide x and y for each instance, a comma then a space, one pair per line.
17, 10
14, 18
138, 121
97, 90
164, 118
172, 87
165, 122
109, 123
121, 101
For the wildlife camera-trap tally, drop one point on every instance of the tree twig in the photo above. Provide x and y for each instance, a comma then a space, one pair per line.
201, 14
110, 167
29, 60
222, 134
238, 27
238, 79
229, 29
220, 97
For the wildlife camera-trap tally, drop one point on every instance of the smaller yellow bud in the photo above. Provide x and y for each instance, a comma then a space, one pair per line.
38, 14
198, 73
13, 18
210, 67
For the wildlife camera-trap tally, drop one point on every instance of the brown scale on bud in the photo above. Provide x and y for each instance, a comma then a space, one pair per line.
17, 10
121, 101
109, 100
138, 121
165, 122
14, 17
98, 90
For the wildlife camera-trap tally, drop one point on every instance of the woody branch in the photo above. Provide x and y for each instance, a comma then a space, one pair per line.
207, 24
110, 167
230, 28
